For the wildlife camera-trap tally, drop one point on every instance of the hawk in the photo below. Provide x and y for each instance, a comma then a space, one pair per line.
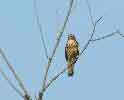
71, 53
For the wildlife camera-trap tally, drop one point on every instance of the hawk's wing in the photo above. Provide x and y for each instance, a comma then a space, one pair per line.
77, 53
66, 56
78, 48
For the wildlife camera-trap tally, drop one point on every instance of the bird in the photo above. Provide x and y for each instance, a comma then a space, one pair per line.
71, 53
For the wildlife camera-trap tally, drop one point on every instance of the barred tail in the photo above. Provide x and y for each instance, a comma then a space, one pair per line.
70, 70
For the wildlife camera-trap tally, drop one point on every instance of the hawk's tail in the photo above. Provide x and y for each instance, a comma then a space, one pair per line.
70, 70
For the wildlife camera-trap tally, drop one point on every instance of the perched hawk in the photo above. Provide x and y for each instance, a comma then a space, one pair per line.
71, 53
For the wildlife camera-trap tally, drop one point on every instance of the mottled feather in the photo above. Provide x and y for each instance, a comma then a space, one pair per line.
71, 53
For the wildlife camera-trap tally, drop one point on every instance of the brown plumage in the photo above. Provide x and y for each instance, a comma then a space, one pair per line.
71, 53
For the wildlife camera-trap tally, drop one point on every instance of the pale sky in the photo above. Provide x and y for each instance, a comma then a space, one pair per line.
98, 74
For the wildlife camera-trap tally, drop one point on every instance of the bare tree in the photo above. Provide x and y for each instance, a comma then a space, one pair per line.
47, 82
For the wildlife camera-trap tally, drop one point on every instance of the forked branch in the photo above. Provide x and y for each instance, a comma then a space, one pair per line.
92, 34
107, 36
55, 48
104, 37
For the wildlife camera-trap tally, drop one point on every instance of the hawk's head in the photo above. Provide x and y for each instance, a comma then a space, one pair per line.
71, 37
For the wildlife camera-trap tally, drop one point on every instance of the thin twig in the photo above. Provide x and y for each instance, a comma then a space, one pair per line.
55, 48
107, 36
90, 12
82, 51
92, 34
54, 78
121, 34
13, 71
40, 29
10, 83
94, 27
104, 37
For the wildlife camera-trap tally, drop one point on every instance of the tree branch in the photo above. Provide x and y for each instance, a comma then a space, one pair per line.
94, 27
90, 12
40, 29
107, 36
104, 37
55, 48
120, 34
10, 83
54, 78
92, 34
14, 73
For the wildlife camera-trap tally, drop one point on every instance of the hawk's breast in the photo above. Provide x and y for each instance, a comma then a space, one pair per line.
72, 47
